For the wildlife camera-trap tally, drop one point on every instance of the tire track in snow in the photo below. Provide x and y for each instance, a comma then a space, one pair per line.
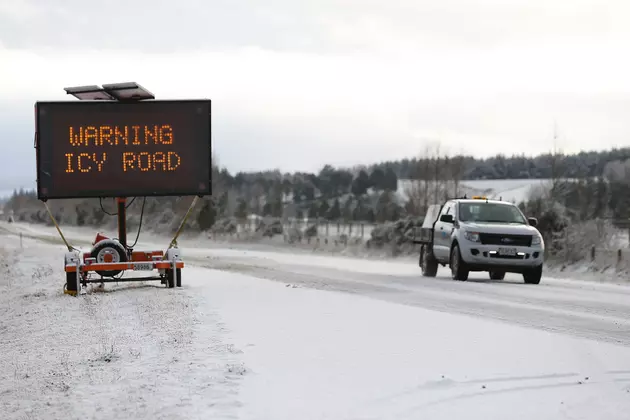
583, 319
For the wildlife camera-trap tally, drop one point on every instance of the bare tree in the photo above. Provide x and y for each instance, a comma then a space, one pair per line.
423, 178
217, 186
457, 170
446, 177
255, 197
415, 197
557, 168
437, 173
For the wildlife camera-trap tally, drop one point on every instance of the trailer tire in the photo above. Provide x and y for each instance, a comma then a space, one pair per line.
109, 246
170, 280
428, 262
71, 283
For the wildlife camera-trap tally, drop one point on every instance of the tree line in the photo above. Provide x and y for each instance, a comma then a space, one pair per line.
369, 193
518, 166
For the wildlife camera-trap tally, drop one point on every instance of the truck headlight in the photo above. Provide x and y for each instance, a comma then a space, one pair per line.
472, 236
536, 240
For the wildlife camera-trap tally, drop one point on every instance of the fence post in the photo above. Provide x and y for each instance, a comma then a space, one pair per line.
350, 229
593, 253
618, 256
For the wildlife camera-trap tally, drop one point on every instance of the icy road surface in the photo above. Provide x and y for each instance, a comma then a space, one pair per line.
230, 344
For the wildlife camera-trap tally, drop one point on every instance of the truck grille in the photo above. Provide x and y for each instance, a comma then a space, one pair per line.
505, 240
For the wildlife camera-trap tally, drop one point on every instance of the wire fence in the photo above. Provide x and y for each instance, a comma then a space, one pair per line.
597, 245
596, 260
323, 229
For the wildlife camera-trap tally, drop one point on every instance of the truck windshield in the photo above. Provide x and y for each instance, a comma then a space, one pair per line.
490, 213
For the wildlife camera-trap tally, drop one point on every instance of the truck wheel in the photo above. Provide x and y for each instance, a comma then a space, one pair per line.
533, 275
459, 270
497, 275
428, 262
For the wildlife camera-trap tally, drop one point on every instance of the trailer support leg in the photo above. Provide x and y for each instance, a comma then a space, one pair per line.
122, 221
78, 277
174, 271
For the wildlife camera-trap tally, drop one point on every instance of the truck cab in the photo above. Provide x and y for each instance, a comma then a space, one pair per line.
479, 234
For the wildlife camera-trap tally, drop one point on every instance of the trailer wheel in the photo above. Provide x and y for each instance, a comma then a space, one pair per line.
112, 249
428, 262
170, 280
71, 283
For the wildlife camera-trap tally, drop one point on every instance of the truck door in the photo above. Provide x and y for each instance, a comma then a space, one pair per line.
442, 233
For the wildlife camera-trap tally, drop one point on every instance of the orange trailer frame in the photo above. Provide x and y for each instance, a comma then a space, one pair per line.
78, 265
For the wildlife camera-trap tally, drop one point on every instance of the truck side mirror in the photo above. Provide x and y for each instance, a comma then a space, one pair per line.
446, 218
532, 221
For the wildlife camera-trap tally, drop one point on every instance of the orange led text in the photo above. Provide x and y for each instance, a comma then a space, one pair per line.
113, 135
85, 162
145, 161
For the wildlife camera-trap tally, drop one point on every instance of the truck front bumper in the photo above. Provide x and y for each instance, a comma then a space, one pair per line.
480, 257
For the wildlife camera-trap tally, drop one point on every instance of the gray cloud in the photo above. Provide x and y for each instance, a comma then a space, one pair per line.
332, 81
310, 25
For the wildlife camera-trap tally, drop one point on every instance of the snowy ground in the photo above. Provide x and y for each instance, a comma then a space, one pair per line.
513, 190
263, 334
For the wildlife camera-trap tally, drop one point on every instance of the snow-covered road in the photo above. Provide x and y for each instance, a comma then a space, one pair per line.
583, 309
231, 344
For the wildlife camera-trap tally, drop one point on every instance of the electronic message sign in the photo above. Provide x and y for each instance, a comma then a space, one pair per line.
123, 149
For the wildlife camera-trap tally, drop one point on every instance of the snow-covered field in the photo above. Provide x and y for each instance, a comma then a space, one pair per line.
269, 334
512, 190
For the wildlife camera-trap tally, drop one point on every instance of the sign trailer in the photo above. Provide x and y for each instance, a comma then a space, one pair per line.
118, 141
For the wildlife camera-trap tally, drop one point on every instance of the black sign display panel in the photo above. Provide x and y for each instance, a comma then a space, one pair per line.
123, 149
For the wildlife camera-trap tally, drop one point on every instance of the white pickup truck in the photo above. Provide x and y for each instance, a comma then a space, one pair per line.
478, 234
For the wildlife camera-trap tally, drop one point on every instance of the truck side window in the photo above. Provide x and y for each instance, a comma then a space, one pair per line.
447, 208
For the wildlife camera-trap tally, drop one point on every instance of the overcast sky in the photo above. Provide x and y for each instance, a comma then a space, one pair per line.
297, 84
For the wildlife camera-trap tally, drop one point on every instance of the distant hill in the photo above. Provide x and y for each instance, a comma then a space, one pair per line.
512, 190
501, 167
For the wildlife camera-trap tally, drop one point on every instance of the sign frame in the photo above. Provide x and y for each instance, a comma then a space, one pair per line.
101, 193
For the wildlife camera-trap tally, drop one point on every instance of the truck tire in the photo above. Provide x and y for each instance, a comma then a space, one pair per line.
497, 275
428, 262
533, 275
459, 271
